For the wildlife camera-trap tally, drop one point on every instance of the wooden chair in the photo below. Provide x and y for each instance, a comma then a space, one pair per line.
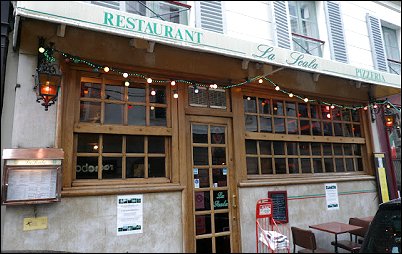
306, 239
353, 245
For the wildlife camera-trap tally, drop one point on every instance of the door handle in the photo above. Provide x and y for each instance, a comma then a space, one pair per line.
234, 201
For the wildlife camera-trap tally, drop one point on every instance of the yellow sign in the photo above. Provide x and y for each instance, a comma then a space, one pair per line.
35, 223
383, 184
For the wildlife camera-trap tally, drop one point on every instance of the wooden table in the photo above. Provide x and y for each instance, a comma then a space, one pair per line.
369, 218
335, 228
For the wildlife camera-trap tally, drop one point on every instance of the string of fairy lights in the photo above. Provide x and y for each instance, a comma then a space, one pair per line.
48, 55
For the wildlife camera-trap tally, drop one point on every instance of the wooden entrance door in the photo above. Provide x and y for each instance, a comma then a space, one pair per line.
212, 186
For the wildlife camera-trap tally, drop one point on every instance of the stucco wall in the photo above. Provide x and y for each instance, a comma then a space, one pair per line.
305, 210
88, 224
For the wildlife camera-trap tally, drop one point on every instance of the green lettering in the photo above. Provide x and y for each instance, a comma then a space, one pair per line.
108, 18
130, 23
140, 22
189, 36
120, 20
168, 31
198, 37
149, 28
156, 29
179, 34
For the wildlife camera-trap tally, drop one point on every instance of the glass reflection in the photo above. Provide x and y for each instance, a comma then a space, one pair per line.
217, 135
200, 155
136, 94
249, 104
87, 168
112, 143
136, 115
88, 143
252, 165
264, 106
200, 133
156, 167
219, 177
90, 112
202, 201
203, 224
251, 123
218, 156
111, 167
113, 113
157, 116
265, 124
266, 166
114, 92
203, 177
135, 167
91, 90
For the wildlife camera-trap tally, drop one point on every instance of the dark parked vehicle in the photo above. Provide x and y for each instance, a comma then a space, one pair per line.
384, 233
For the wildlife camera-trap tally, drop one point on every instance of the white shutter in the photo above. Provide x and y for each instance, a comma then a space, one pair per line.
109, 4
211, 16
282, 25
377, 44
336, 32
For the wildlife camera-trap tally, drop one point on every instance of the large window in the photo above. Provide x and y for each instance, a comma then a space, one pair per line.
304, 27
392, 50
121, 132
292, 137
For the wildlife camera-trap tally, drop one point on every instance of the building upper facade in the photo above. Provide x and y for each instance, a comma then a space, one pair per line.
353, 40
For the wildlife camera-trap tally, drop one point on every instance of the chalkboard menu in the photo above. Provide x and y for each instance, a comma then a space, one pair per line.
279, 206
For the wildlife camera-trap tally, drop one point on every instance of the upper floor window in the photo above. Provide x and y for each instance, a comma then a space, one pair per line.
172, 11
303, 20
392, 50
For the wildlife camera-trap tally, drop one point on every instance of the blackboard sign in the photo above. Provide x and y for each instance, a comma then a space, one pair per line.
279, 205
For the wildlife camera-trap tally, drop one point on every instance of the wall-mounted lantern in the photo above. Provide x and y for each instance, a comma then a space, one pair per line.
47, 77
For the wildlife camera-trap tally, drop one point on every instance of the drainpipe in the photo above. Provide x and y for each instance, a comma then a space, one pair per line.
6, 15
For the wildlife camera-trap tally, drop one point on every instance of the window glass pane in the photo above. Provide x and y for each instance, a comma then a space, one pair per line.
249, 104
114, 92
314, 111
88, 143
91, 90
111, 167
355, 115
264, 106
303, 110
200, 155
251, 123
305, 165
156, 144
113, 113
157, 116
200, 134
160, 94
135, 144
203, 176
202, 201
316, 148
222, 223
279, 148
292, 148
338, 129
280, 166
278, 107
346, 115
336, 114
327, 149
217, 135
279, 125
252, 165
337, 149
218, 156
347, 149
221, 200
305, 127
339, 165
265, 124
347, 130
136, 94
329, 165
265, 147
217, 98
135, 167
90, 112
327, 128
317, 165
304, 148
349, 164
316, 127
204, 245
357, 150
359, 164
156, 167
136, 115
293, 164
87, 168
219, 177
266, 166
251, 147
112, 143
356, 130
292, 126
290, 108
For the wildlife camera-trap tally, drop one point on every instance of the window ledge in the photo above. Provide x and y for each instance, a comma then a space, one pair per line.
115, 190
304, 180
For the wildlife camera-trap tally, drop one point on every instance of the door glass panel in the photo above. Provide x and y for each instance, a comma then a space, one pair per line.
221, 200
200, 155
218, 156
204, 245
201, 201
203, 176
217, 135
223, 244
203, 224
200, 133
221, 222
219, 177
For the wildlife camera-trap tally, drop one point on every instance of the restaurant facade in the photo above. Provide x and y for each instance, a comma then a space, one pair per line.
168, 133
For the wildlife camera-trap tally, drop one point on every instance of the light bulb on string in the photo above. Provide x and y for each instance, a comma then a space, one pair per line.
173, 83
375, 106
175, 94
260, 81
153, 92
365, 108
196, 89
152, 107
248, 98
125, 75
388, 106
41, 49
332, 106
305, 99
149, 80
127, 83
106, 69
291, 95
277, 88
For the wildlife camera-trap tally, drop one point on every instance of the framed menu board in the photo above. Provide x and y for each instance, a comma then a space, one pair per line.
31, 176
279, 206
